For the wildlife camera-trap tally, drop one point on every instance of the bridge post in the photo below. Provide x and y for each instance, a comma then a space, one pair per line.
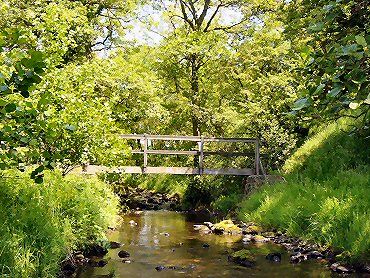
257, 157
201, 154
145, 153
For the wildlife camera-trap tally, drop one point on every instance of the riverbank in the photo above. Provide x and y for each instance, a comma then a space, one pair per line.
326, 196
43, 224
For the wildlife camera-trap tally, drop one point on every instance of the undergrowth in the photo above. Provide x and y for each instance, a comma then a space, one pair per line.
327, 194
42, 223
220, 193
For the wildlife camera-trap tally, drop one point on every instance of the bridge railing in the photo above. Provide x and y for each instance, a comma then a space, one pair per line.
200, 170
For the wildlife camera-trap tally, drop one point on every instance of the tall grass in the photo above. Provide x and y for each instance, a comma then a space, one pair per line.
41, 223
327, 194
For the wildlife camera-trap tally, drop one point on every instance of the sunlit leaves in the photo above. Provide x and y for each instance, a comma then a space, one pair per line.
337, 70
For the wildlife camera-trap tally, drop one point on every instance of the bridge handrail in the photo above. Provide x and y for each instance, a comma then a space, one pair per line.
201, 153
186, 138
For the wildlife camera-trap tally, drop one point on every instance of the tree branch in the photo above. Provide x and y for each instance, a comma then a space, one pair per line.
200, 20
212, 18
185, 16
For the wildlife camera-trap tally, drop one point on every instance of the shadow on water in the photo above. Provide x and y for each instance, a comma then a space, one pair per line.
167, 238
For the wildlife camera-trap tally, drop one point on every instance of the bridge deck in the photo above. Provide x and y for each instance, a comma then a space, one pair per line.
93, 169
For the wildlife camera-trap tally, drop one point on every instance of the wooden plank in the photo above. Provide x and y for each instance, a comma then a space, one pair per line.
257, 158
168, 152
94, 169
186, 171
205, 153
251, 154
186, 138
159, 170
231, 172
201, 151
145, 152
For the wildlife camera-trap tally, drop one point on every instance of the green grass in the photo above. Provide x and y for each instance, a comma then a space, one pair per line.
40, 224
327, 194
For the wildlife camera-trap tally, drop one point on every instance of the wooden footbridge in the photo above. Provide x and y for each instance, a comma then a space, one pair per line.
146, 141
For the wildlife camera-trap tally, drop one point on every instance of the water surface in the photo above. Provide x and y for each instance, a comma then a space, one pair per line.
168, 239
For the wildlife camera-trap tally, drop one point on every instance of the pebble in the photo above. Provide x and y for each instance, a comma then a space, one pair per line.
123, 254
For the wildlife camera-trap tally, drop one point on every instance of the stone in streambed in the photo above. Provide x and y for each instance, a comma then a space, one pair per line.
253, 229
259, 238
126, 261
132, 223
243, 257
202, 228
274, 257
160, 268
123, 254
269, 234
226, 227
315, 255
98, 263
247, 238
336, 267
115, 245
297, 258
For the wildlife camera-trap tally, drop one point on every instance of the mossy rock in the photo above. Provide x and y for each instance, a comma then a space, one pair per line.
269, 234
227, 226
254, 229
259, 238
243, 257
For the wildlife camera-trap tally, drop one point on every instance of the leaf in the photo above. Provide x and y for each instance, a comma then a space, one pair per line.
39, 180
335, 91
48, 113
10, 107
354, 105
361, 41
319, 89
3, 88
36, 56
367, 100
70, 127
39, 169
317, 27
33, 142
25, 94
301, 103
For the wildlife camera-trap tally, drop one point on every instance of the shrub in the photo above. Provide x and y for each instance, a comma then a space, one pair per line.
42, 223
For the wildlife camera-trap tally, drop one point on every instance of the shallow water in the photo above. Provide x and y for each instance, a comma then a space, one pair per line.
167, 238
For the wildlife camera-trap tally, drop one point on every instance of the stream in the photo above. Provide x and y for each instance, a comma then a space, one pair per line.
167, 239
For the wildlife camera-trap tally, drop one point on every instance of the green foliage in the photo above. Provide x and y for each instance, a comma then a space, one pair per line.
227, 203
326, 196
42, 223
341, 149
337, 58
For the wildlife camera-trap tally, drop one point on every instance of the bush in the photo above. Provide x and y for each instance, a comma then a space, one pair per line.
42, 223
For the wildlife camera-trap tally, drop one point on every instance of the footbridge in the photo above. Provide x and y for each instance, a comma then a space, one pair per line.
146, 142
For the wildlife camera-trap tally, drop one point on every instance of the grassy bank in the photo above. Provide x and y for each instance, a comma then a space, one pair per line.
42, 223
327, 194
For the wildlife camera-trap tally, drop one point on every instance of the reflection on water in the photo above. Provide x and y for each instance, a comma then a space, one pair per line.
168, 238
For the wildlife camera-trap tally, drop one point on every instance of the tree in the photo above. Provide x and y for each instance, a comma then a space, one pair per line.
337, 59
34, 43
